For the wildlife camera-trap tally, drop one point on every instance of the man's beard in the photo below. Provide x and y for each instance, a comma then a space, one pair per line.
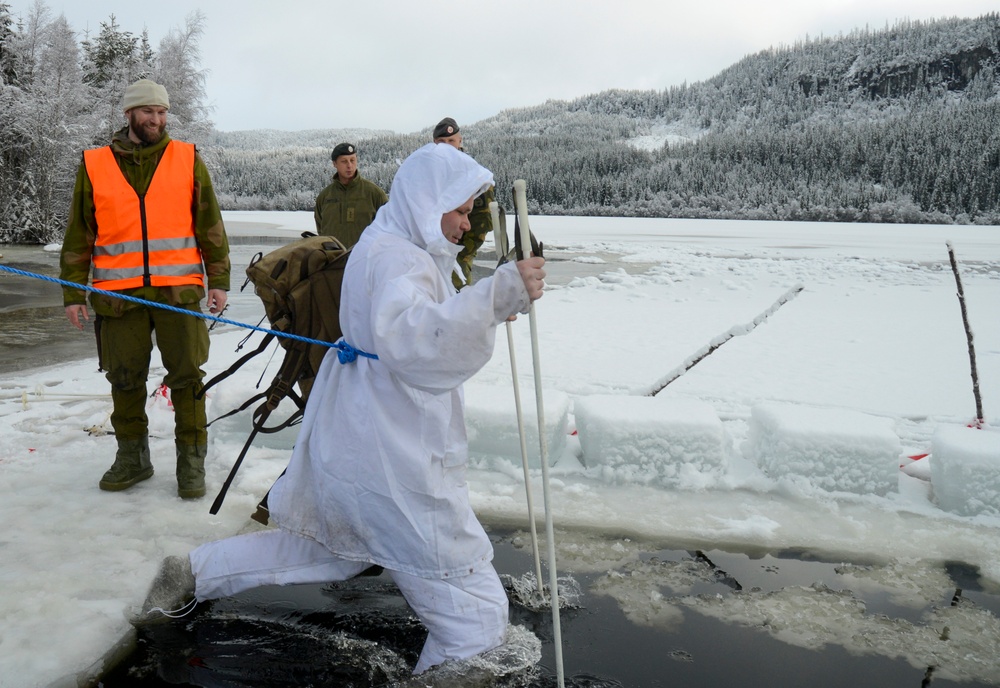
148, 134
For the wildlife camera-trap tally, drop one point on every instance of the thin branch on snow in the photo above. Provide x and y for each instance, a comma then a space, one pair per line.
734, 331
968, 335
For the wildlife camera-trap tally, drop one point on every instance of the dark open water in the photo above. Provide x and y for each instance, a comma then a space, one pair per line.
277, 636
34, 331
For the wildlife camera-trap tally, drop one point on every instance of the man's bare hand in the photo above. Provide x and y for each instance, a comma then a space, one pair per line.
217, 299
74, 313
533, 276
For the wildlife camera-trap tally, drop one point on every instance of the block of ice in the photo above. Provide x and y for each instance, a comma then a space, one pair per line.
651, 440
965, 470
834, 449
491, 422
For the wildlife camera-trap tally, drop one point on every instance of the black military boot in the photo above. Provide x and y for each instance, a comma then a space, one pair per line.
131, 465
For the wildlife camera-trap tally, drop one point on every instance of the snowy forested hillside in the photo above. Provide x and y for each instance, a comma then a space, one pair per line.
896, 125
900, 124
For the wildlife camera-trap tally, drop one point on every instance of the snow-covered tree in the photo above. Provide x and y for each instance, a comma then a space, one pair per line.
177, 68
55, 102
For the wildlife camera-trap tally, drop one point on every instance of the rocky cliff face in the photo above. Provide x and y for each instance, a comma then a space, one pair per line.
953, 72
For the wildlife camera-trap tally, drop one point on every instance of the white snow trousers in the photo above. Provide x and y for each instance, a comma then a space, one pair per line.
464, 616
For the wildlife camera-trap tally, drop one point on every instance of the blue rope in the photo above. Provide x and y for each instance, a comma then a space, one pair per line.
343, 348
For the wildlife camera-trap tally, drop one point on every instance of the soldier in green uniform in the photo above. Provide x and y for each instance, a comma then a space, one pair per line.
145, 218
349, 203
447, 131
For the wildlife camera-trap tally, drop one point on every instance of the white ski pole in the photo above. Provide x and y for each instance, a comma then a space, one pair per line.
500, 245
521, 207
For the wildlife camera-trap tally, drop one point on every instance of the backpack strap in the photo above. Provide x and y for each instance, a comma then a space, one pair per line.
244, 406
295, 360
234, 367
217, 504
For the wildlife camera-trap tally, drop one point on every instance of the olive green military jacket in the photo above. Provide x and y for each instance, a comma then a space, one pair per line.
481, 224
343, 211
138, 163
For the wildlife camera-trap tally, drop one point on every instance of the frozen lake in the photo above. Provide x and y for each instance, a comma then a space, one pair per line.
708, 579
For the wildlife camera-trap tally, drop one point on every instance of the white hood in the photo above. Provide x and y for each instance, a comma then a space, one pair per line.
422, 191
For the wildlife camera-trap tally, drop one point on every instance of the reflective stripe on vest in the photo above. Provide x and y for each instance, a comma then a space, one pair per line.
145, 240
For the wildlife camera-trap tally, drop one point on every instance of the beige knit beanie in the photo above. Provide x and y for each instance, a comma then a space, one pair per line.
145, 92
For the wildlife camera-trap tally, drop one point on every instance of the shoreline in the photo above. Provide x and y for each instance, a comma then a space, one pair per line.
34, 332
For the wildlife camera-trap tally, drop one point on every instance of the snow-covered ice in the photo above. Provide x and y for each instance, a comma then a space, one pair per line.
868, 360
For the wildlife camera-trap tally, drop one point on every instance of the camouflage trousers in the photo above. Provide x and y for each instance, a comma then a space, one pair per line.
126, 349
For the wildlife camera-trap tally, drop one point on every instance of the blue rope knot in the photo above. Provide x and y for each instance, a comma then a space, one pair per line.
348, 354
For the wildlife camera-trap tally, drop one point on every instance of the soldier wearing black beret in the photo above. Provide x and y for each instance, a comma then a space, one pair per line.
343, 149
447, 131
348, 205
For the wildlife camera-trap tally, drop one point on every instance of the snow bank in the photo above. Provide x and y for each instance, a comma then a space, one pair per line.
651, 440
965, 470
834, 449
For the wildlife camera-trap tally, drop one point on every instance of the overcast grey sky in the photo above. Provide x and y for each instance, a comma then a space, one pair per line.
404, 64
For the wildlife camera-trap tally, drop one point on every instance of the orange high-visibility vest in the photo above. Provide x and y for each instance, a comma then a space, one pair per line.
145, 240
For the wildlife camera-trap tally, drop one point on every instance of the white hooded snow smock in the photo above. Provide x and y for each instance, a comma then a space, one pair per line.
378, 470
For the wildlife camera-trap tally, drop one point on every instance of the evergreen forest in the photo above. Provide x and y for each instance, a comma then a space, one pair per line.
900, 124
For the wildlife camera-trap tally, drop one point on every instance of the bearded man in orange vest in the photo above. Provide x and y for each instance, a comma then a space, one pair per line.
145, 220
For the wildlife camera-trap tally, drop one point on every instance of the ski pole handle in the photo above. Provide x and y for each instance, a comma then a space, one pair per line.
521, 203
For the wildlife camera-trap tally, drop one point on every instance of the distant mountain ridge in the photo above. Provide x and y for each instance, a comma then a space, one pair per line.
894, 125
273, 139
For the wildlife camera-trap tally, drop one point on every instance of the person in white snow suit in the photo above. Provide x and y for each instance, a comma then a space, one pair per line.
377, 475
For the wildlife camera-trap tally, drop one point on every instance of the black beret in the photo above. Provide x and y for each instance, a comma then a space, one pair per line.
445, 128
343, 149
